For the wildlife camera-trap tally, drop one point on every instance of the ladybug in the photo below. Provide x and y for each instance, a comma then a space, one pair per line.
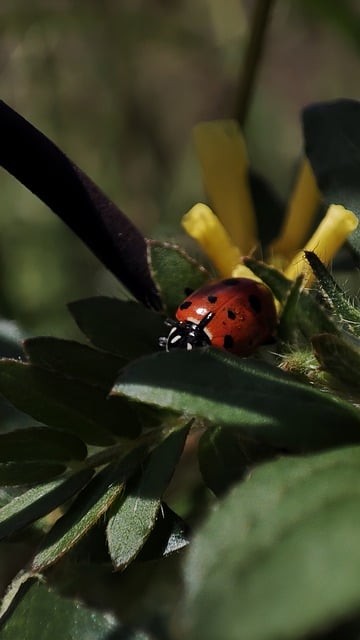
236, 314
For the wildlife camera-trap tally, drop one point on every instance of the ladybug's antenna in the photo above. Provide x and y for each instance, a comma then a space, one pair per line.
206, 319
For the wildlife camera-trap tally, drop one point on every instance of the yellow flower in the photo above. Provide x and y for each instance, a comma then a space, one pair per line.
229, 231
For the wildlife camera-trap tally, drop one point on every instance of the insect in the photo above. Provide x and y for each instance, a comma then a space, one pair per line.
236, 314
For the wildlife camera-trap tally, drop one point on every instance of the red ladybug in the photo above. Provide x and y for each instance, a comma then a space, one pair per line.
236, 314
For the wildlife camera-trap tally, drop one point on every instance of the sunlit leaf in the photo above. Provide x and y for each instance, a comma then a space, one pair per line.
258, 399
133, 518
38, 501
86, 510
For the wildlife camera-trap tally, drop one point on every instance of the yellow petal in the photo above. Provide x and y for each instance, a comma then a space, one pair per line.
221, 150
303, 204
331, 233
205, 227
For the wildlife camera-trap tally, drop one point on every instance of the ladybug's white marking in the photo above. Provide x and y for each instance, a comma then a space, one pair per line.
176, 337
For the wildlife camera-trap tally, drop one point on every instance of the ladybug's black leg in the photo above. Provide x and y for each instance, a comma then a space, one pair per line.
170, 322
164, 340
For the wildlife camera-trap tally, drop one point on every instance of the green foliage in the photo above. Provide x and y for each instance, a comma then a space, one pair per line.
101, 441
166, 259
339, 356
88, 488
225, 458
285, 544
61, 619
340, 305
38, 501
114, 420
310, 316
252, 396
125, 536
123, 328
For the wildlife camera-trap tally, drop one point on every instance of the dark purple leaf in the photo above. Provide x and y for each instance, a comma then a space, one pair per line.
39, 164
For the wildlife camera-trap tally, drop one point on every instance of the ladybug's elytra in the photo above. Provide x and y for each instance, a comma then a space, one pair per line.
236, 314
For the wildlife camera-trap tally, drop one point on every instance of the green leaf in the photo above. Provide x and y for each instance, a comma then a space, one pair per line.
37, 502
340, 304
10, 340
147, 592
332, 144
340, 358
174, 271
74, 360
288, 329
275, 279
40, 443
225, 459
311, 317
7, 494
132, 519
43, 614
260, 400
285, 546
66, 404
169, 535
18, 473
86, 510
123, 328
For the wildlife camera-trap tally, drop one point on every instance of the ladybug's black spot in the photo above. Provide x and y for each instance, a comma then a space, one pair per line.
230, 282
185, 305
188, 291
212, 299
255, 303
228, 342
231, 314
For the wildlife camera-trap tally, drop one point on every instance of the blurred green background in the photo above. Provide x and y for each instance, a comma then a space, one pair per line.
118, 85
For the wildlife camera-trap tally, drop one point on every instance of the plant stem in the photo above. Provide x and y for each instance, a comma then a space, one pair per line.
147, 440
119, 450
260, 21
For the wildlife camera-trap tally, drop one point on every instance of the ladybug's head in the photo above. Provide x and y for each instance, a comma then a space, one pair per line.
186, 335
